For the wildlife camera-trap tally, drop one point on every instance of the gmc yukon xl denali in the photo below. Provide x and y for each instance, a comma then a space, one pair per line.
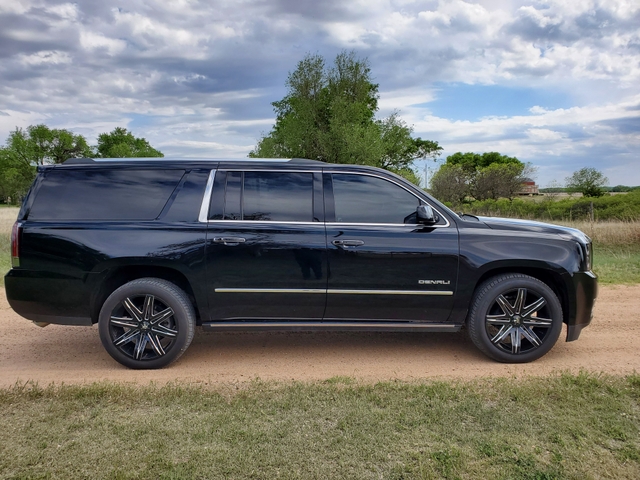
150, 249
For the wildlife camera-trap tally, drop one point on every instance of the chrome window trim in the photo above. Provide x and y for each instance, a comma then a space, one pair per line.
271, 170
266, 222
204, 209
206, 201
334, 291
409, 226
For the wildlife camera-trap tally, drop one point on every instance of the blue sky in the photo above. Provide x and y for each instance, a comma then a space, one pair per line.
553, 82
460, 101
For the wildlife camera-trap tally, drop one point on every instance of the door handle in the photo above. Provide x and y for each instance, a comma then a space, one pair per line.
348, 243
229, 241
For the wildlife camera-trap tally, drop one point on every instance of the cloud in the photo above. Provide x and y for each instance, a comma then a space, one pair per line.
199, 77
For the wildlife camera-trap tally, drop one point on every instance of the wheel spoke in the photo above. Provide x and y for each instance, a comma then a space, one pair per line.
164, 331
124, 322
505, 305
534, 307
520, 299
140, 346
501, 335
498, 319
531, 336
132, 309
515, 340
149, 301
126, 337
155, 343
538, 322
163, 315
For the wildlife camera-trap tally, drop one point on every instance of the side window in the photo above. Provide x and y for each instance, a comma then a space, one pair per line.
264, 196
278, 196
365, 199
104, 194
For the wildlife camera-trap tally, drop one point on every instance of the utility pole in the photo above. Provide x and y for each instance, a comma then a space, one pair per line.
426, 175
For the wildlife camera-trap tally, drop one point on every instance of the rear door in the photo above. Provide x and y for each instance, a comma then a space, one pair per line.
266, 245
383, 265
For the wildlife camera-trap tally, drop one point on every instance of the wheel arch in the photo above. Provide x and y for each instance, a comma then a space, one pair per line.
549, 277
118, 276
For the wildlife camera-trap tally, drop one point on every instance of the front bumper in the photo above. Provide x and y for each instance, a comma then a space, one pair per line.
585, 292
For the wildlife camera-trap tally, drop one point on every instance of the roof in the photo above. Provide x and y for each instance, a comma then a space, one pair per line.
94, 161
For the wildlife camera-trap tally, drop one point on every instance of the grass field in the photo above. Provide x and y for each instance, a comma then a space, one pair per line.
616, 250
564, 426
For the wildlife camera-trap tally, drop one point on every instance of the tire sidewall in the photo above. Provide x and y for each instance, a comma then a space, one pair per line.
484, 300
168, 294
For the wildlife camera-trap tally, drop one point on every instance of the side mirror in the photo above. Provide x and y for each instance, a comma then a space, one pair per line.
426, 215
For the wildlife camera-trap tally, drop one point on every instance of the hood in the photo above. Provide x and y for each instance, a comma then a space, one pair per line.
539, 227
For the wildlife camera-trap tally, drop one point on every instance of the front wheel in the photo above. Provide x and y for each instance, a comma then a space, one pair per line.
146, 323
515, 318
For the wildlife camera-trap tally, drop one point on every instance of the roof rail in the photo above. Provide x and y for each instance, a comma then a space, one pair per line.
90, 161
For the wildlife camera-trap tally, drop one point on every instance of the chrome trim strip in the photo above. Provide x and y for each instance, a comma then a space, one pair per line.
445, 293
270, 290
329, 325
206, 200
332, 291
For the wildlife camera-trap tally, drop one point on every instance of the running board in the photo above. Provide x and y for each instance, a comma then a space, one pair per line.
332, 326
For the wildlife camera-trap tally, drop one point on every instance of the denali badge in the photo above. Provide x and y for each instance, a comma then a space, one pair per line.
434, 282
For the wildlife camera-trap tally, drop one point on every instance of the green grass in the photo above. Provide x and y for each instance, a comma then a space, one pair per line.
617, 265
8, 216
564, 426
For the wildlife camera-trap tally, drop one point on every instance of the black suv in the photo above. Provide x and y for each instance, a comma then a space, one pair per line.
148, 249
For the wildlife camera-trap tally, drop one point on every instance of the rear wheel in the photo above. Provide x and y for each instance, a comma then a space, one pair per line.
146, 323
515, 318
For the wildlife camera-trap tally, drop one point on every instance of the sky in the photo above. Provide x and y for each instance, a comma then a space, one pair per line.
555, 83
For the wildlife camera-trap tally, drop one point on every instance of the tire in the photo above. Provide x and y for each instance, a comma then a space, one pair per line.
514, 318
146, 323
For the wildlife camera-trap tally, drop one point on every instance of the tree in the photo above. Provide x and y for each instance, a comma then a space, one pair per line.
587, 181
35, 145
498, 181
39, 145
16, 176
450, 184
328, 114
121, 143
483, 176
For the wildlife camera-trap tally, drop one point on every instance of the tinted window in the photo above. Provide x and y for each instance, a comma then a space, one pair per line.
232, 209
89, 194
278, 196
365, 199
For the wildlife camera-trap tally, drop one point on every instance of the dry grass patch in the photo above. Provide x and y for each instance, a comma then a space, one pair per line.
610, 234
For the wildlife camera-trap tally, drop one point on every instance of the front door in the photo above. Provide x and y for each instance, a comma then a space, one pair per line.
382, 264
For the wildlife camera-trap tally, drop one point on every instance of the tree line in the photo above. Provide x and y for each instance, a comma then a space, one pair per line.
35, 145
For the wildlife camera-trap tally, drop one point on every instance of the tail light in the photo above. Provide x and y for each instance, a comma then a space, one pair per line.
15, 244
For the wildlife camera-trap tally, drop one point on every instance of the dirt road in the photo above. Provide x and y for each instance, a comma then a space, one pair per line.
73, 355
